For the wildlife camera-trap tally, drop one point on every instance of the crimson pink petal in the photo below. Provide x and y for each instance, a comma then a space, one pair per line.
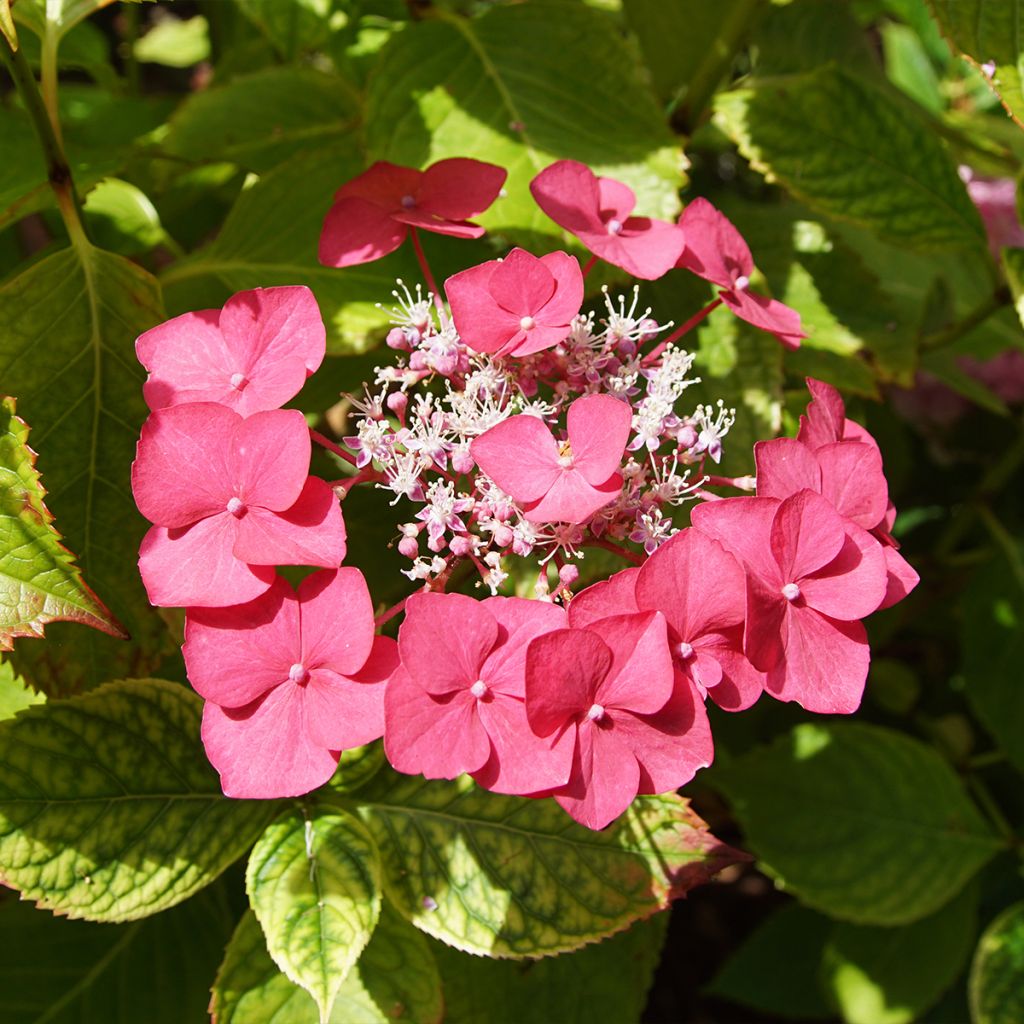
742, 526
853, 584
234, 655
459, 188
613, 596
262, 751
482, 324
785, 466
311, 532
356, 231
567, 191
435, 736
337, 620
567, 298
853, 481
563, 671
824, 420
645, 247
641, 674
271, 461
521, 283
519, 621
598, 428
571, 499
194, 567
605, 776
741, 684
184, 470
520, 455
715, 250
767, 314
439, 225
538, 338
384, 184
444, 640
616, 199
807, 533
900, 580
766, 615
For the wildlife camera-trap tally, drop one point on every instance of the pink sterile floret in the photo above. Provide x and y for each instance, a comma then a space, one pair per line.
372, 214
634, 726
559, 482
825, 421
456, 703
811, 575
290, 680
597, 211
229, 497
252, 355
716, 251
518, 305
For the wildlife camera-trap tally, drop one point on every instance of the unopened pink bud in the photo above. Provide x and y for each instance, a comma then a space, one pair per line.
503, 536
409, 547
397, 402
436, 543
462, 461
461, 546
397, 339
650, 329
568, 575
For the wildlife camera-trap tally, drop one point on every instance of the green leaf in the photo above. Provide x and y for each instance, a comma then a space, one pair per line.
910, 68
605, 983
271, 238
122, 218
15, 696
986, 34
861, 822
260, 120
109, 809
314, 883
484, 88
509, 877
892, 975
76, 972
997, 972
175, 42
67, 330
39, 581
775, 971
295, 26
1013, 264
395, 979
850, 151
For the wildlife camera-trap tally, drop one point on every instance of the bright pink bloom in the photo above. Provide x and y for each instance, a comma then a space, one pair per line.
612, 691
597, 211
518, 305
701, 590
559, 482
252, 355
290, 679
613, 596
372, 214
456, 704
811, 574
825, 420
229, 497
716, 251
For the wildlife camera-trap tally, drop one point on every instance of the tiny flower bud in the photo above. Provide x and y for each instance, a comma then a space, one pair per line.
436, 543
568, 575
298, 673
236, 507
397, 339
503, 536
461, 546
479, 689
596, 713
397, 402
409, 547
462, 461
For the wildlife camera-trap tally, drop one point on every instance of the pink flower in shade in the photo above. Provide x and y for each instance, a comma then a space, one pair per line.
611, 690
715, 250
597, 211
825, 420
290, 679
252, 355
456, 703
372, 214
229, 497
559, 482
518, 305
811, 575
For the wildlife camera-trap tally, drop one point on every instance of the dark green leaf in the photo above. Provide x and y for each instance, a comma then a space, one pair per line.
997, 973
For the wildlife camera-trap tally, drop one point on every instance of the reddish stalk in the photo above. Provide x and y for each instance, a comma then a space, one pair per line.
680, 331
327, 443
425, 267
589, 266
630, 556
389, 613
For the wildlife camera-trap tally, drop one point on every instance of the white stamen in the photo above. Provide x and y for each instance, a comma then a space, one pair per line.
596, 713
527, 323
239, 381
614, 226
297, 673
479, 689
685, 650
741, 283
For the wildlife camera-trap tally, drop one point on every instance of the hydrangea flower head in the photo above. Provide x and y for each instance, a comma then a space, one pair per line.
598, 211
516, 306
290, 679
254, 354
372, 214
559, 482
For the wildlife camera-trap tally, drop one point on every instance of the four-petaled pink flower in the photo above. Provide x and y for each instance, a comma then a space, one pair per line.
456, 703
716, 251
559, 482
290, 679
598, 212
518, 305
254, 354
811, 575
372, 214
229, 498
611, 689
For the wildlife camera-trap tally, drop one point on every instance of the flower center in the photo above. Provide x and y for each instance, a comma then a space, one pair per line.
239, 381
479, 689
527, 323
685, 650
236, 507
565, 458
790, 591
614, 226
408, 202
741, 283
298, 673
596, 713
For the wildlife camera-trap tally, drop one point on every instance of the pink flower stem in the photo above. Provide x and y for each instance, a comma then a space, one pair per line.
389, 613
630, 556
589, 265
655, 353
707, 495
425, 267
365, 475
742, 483
325, 442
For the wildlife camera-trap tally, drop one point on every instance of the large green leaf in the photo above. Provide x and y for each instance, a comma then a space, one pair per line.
67, 327
861, 822
314, 884
849, 150
892, 975
521, 86
989, 32
997, 973
605, 983
395, 979
15, 696
39, 581
270, 238
109, 809
155, 971
509, 877
294, 26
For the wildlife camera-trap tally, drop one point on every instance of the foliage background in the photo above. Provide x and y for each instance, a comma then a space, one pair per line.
205, 141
